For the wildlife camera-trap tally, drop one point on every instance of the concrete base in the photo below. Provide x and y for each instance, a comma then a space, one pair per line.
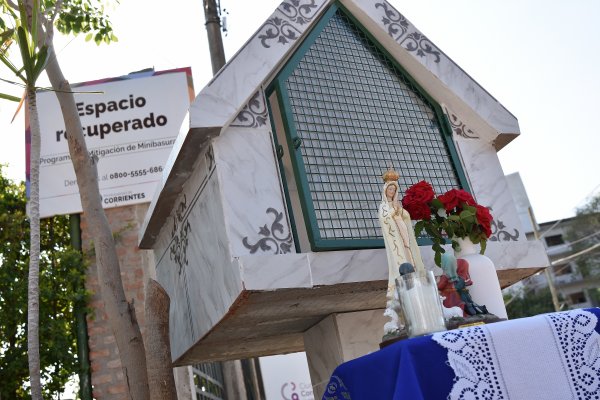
184, 383
339, 338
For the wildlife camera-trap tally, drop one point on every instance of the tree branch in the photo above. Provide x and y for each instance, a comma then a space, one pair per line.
12, 4
57, 9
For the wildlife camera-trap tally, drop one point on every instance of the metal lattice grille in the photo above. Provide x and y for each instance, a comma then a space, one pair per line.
356, 114
208, 379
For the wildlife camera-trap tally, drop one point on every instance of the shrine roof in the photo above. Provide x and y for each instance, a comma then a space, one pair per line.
259, 60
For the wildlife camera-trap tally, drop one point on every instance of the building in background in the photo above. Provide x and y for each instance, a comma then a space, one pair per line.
573, 287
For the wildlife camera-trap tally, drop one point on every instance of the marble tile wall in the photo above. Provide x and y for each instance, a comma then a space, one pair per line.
486, 178
194, 263
335, 267
256, 217
272, 272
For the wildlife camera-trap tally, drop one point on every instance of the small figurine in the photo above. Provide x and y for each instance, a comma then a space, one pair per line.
452, 312
453, 286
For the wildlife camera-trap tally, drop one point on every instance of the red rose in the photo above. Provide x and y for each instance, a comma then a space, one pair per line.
484, 218
416, 200
421, 192
418, 211
455, 197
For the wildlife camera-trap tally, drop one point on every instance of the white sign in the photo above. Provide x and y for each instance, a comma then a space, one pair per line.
130, 126
286, 377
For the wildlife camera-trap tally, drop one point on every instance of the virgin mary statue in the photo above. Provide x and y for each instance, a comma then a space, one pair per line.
400, 242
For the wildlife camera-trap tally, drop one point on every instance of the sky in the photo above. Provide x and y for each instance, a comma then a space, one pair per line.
539, 58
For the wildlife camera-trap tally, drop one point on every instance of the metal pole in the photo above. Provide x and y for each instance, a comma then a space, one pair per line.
547, 269
213, 30
85, 380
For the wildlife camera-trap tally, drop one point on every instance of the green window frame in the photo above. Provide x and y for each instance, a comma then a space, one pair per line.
307, 189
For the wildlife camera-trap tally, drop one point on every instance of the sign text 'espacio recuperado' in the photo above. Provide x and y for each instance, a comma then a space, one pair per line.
130, 126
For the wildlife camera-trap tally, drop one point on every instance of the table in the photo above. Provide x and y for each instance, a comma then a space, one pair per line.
546, 357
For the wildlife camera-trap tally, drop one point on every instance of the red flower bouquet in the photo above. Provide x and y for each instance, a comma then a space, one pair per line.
454, 214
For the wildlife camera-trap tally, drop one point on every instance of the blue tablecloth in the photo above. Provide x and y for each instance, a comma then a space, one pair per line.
419, 368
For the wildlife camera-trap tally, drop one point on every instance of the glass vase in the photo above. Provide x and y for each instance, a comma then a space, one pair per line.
420, 303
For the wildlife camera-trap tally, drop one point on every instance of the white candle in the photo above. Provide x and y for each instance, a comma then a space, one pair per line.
420, 303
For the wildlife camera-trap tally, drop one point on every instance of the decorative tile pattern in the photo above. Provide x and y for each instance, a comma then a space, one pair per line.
500, 233
210, 159
459, 127
273, 239
179, 235
302, 12
406, 35
280, 30
395, 22
254, 114
283, 29
178, 251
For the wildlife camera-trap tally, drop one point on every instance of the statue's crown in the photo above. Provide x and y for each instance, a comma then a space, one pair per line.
390, 175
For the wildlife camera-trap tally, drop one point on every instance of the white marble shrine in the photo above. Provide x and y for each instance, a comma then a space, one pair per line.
219, 225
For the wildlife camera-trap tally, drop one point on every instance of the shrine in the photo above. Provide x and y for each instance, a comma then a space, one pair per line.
265, 229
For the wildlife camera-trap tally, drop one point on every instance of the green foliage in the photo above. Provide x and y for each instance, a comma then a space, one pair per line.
61, 273
85, 16
584, 229
532, 303
73, 17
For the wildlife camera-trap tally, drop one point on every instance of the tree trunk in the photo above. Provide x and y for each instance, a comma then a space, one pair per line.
158, 348
33, 292
121, 314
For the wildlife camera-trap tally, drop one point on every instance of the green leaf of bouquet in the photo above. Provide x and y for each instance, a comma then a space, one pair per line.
437, 204
455, 245
483, 246
430, 231
438, 259
469, 208
454, 217
419, 227
467, 216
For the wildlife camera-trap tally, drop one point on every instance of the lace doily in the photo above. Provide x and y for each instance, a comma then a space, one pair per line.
487, 359
471, 356
580, 350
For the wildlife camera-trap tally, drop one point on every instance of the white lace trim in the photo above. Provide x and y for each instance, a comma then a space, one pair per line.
472, 357
579, 345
